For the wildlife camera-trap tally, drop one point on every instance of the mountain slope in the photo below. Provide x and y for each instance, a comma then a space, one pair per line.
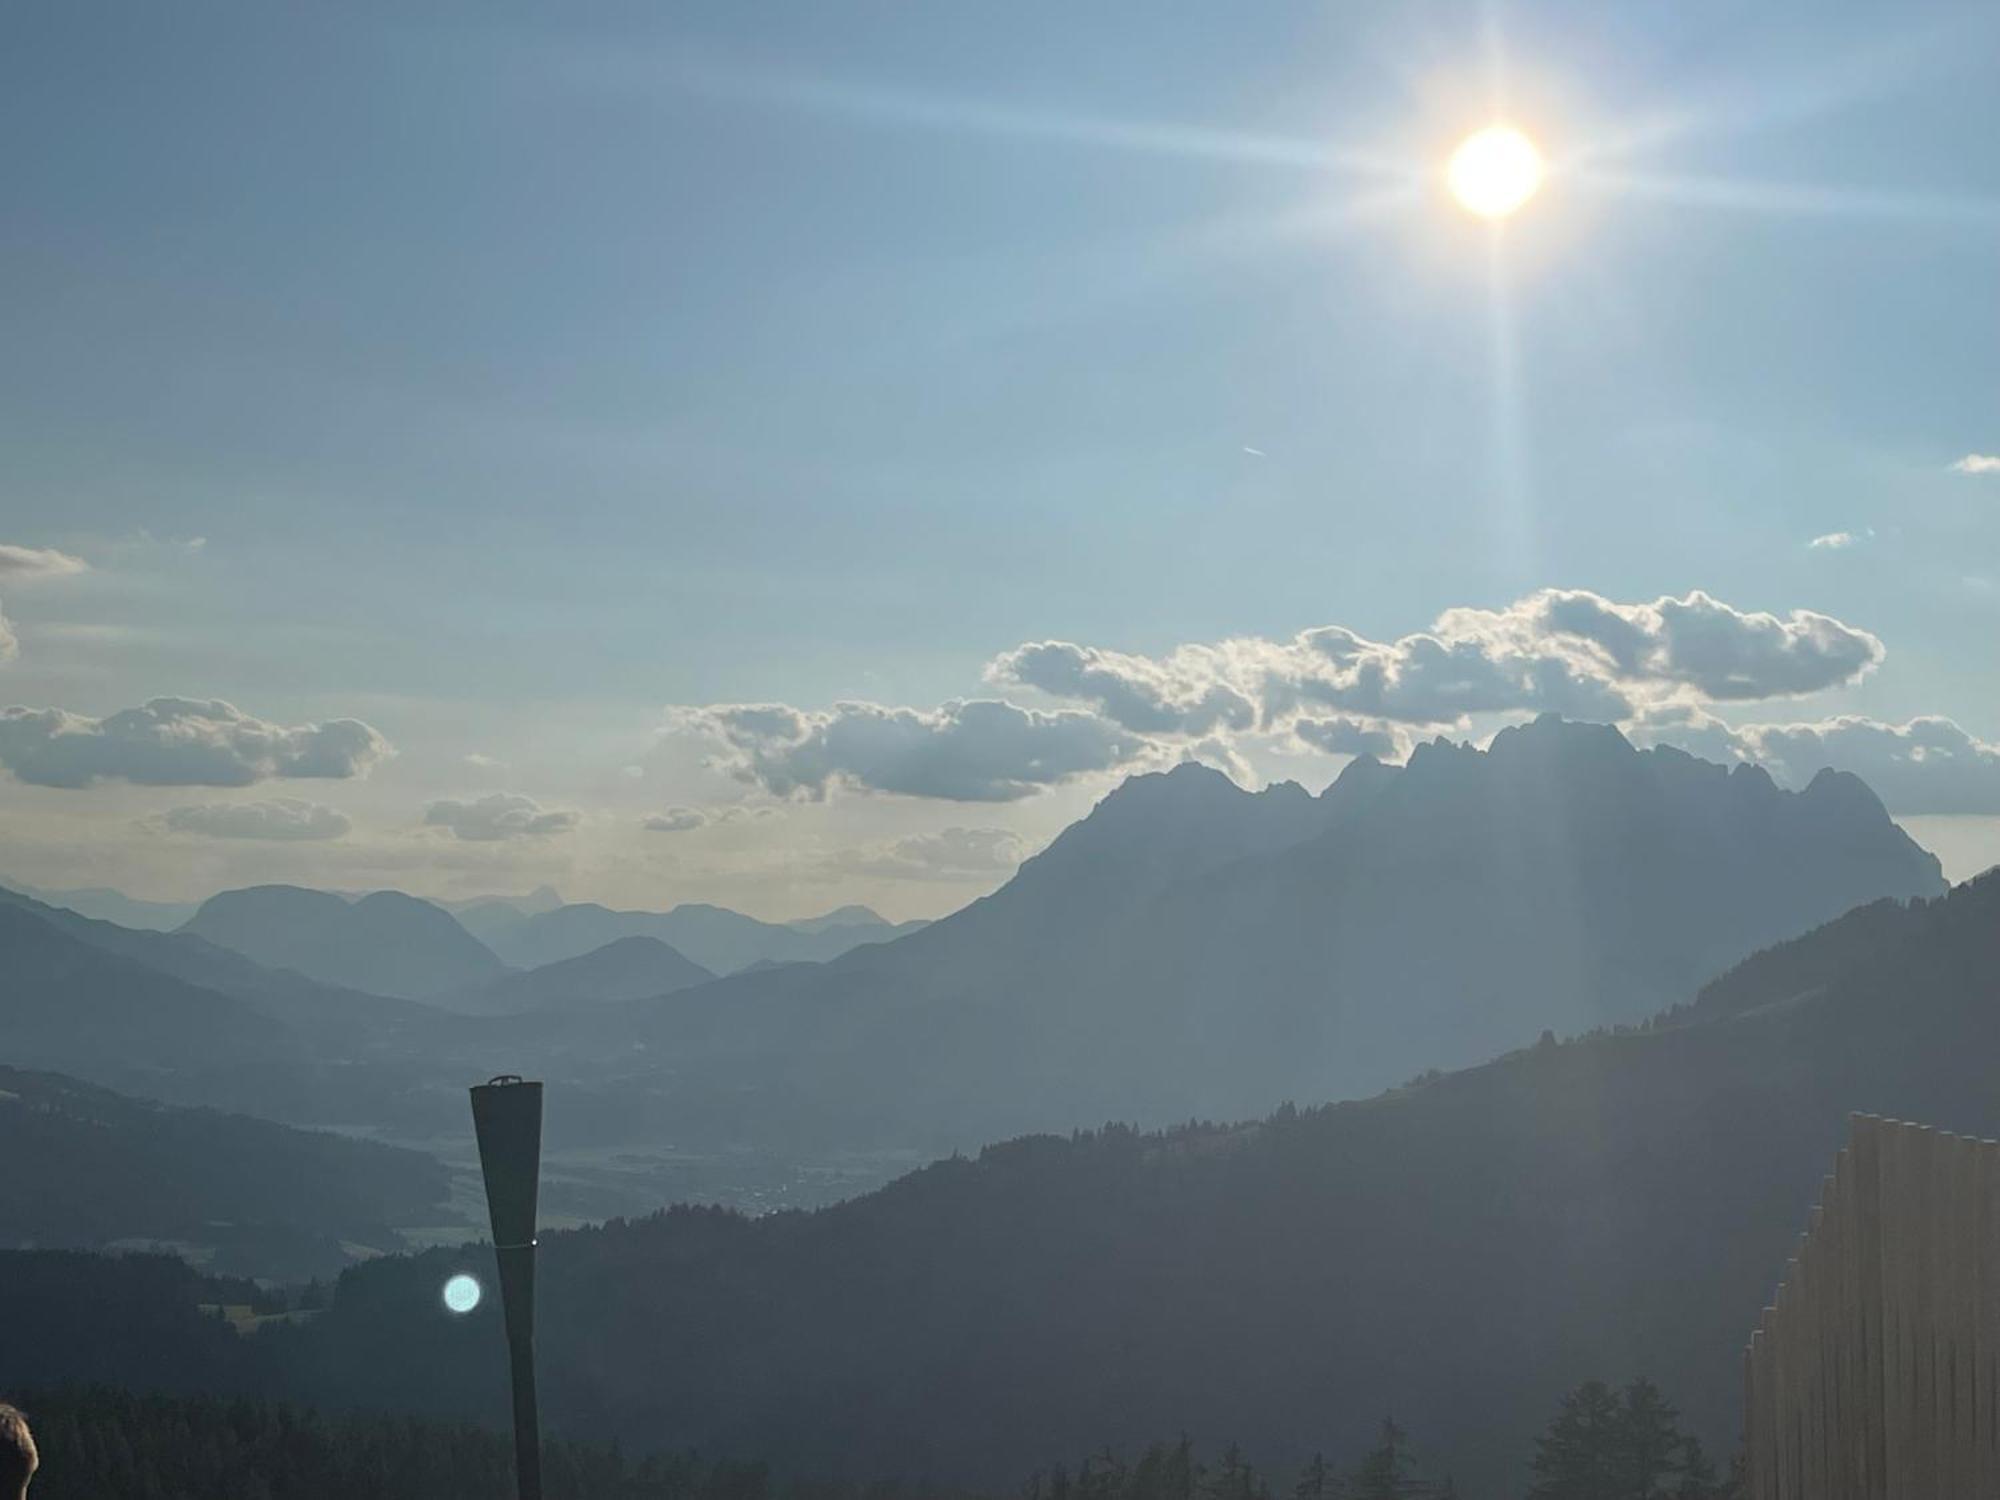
630, 968
342, 1018
1191, 949
87, 1167
386, 943
67, 1004
1459, 1252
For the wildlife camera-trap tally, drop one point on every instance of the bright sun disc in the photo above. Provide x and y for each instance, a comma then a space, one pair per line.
461, 1293
1494, 171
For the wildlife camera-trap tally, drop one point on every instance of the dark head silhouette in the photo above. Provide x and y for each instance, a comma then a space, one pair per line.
18, 1459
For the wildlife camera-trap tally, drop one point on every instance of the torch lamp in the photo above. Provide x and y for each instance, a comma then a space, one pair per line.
507, 1117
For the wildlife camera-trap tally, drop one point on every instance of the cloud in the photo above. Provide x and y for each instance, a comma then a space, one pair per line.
180, 742
1833, 541
981, 750
481, 761
496, 816
38, 562
283, 818
21, 564
1977, 463
950, 854
1183, 694
1924, 765
677, 820
1344, 736
1569, 652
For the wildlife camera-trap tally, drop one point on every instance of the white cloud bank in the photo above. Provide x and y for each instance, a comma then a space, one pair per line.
180, 742
964, 751
1657, 666
1926, 765
1978, 463
497, 816
1563, 651
19, 564
37, 562
279, 818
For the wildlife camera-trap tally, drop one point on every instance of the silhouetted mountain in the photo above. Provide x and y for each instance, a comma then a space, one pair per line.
87, 1168
627, 969
1192, 949
386, 943
720, 940
107, 905
1458, 1251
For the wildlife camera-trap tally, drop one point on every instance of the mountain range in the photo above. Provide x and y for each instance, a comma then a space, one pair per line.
1193, 949
720, 940
1458, 1251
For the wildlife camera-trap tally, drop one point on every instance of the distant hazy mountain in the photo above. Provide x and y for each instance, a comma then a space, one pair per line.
629, 968
843, 916
1192, 949
115, 906
387, 943
485, 917
718, 939
1458, 1251
88, 1168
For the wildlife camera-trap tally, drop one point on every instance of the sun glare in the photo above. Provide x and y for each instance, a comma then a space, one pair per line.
1494, 171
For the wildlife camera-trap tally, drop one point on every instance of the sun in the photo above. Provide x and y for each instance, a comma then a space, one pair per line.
1494, 171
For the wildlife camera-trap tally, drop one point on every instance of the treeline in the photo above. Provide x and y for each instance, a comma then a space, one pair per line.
97, 1441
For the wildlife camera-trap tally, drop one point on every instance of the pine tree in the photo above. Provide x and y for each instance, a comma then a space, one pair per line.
1385, 1473
1316, 1481
1649, 1443
1577, 1458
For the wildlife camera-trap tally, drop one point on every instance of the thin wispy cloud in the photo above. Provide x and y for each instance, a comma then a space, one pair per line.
1834, 541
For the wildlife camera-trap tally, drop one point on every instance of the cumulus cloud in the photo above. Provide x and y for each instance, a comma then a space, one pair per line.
1923, 765
1183, 694
949, 854
1927, 765
18, 564
283, 818
1345, 736
981, 750
37, 562
1978, 463
1833, 541
180, 742
497, 816
677, 820
1561, 651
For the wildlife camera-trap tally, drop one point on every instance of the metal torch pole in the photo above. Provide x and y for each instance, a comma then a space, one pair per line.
507, 1117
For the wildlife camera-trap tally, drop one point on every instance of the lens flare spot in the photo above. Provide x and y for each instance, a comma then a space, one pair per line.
462, 1293
1494, 171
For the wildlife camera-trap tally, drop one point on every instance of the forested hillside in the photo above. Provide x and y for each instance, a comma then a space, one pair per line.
1636, 1194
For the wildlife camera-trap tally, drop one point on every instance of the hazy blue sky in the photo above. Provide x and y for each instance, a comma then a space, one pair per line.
523, 382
